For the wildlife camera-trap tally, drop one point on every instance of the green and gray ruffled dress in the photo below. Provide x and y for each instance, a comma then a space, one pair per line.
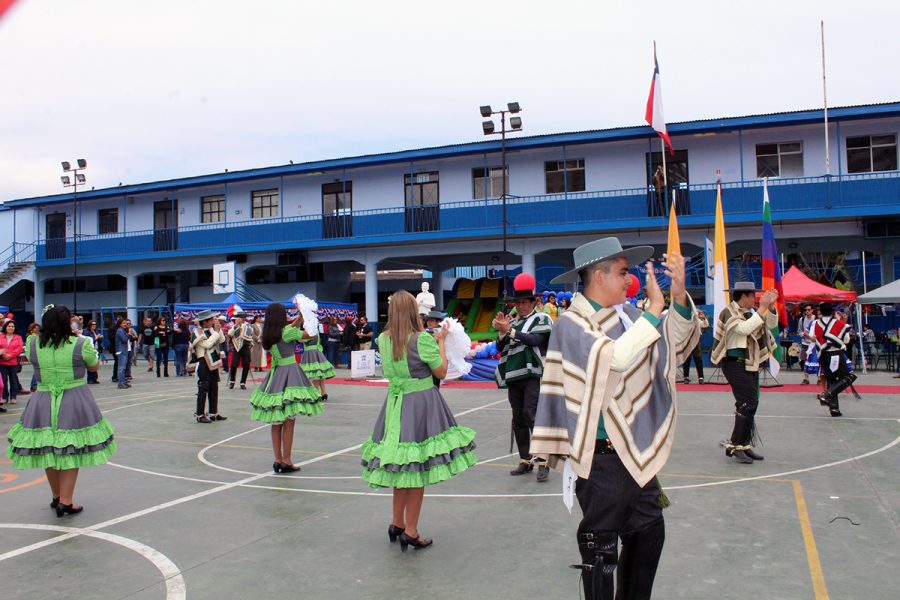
416, 440
286, 392
61, 427
313, 361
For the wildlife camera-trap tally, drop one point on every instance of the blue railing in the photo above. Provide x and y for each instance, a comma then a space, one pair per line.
582, 211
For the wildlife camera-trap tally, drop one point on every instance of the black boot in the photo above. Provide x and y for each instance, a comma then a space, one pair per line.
599, 553
638, 561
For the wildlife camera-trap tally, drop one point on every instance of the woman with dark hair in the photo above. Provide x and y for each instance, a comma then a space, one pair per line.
416, 440
181, 338
10, 349
61, 428
315, 364
33, 331
286, 391
162, 339
95, 336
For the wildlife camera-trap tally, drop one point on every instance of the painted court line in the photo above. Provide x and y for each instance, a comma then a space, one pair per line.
175, 587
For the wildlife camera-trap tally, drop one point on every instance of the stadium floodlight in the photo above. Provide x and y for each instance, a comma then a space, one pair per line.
514, 107
66, 165
486, 110
488, 127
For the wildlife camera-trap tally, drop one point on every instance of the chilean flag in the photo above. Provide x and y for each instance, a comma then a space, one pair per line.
654, 115
4, 6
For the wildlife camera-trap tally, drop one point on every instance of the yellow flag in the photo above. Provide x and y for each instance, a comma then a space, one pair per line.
674, 246
720, 260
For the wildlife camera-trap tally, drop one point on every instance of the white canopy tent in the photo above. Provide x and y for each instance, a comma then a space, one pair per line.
886, 294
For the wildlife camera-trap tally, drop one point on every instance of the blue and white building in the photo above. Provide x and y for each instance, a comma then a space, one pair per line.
308, 226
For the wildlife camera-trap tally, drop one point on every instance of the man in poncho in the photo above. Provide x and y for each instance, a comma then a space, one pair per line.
607, 406
522, 344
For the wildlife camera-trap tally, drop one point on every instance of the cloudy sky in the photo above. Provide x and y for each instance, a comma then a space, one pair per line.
157, 90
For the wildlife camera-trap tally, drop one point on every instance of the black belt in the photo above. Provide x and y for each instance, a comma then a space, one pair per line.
604, 447
735, 359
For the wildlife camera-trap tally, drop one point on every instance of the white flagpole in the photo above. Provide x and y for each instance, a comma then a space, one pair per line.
825, 102
865, 287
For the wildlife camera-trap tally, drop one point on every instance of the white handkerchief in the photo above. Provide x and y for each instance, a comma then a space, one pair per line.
623, 317
568, 482
835, 362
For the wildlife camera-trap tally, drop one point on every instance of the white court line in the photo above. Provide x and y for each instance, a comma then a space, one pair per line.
175, 587
201, 455
823, 417
490, 460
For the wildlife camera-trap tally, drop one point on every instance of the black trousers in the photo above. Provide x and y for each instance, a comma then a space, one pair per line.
523, 398
745, 387
698, 363
241, 356
614, 507
207, 388
832, 376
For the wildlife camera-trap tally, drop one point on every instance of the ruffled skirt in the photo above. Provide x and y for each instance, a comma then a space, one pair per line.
431, 447
82, 436
315, 364
285, 393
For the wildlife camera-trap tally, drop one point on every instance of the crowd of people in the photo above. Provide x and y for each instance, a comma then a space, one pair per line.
591, 387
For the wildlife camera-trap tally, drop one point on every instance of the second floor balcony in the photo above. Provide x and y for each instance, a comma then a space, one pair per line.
798, 199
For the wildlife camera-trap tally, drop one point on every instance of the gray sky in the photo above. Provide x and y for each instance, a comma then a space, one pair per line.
156, 90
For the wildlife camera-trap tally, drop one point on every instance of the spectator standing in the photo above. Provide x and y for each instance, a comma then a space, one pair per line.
348, 337
333, 333
147, 346
364, 334
95, 337
34, 330
123, 353
181, 337
10, 349
162, 341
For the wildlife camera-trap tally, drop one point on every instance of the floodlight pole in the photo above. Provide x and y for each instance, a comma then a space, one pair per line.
74, 185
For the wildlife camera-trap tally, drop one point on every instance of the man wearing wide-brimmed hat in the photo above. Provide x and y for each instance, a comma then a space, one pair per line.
607, 406
522, 344
742, 344
205, 345
241, 335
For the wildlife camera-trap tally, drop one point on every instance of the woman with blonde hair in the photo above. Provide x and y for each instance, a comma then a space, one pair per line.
416, 440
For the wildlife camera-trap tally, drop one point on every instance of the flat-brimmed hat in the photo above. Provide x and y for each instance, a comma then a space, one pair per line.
435, 314
599, 250
744, 286
239, 313
203, 315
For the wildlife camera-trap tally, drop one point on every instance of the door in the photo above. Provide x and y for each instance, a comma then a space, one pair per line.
56, 235
422, 202
660, 190
337, 209
165, 225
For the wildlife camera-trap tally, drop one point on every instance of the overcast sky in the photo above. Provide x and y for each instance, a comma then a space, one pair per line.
157, 90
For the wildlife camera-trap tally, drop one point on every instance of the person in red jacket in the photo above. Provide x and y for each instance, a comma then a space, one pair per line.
832, 336
10, 349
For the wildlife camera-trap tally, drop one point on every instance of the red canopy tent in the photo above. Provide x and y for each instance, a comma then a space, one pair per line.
800, 288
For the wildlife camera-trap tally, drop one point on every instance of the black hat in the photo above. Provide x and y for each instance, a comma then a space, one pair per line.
524, 285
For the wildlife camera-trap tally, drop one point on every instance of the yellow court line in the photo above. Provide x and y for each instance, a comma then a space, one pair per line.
812, 554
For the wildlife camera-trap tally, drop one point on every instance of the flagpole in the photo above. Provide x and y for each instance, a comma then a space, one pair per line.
825, 102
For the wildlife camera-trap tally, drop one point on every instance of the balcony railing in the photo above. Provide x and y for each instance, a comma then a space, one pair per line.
17, 252
791, 198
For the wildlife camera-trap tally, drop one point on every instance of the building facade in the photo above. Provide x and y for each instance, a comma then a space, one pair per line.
307, 227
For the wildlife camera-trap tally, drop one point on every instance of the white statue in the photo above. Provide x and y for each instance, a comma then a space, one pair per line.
425, 299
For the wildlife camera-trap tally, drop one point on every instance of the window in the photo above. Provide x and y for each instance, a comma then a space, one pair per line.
337, 197
265, 204
779, 160
564, 176
423, 190
108, 220
488, 183
869, 153
212, 209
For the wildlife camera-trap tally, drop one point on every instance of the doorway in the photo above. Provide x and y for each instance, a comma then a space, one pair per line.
165, 225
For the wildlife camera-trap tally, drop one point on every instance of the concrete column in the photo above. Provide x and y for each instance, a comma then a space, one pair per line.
887, 266
131, 289
437, 287
371, 308
528, 264
38, 296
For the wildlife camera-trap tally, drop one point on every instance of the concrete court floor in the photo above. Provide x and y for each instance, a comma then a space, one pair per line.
190, 510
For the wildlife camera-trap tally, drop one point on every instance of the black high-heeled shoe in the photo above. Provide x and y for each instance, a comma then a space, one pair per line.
417, 543
68, 509
289, 468
55, 502
276, 466
394, 532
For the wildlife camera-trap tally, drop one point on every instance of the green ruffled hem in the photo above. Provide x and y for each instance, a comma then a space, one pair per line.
318, 370
404, 453
62, 462
293, 401
380, 478
46, 437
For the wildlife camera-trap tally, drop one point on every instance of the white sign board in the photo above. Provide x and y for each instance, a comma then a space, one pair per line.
362, 364
223, 278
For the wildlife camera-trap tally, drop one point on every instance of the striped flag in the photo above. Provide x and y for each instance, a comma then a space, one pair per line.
654, 115
720, 261
771, 274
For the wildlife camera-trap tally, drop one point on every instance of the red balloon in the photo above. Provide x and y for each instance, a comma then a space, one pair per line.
634, 287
